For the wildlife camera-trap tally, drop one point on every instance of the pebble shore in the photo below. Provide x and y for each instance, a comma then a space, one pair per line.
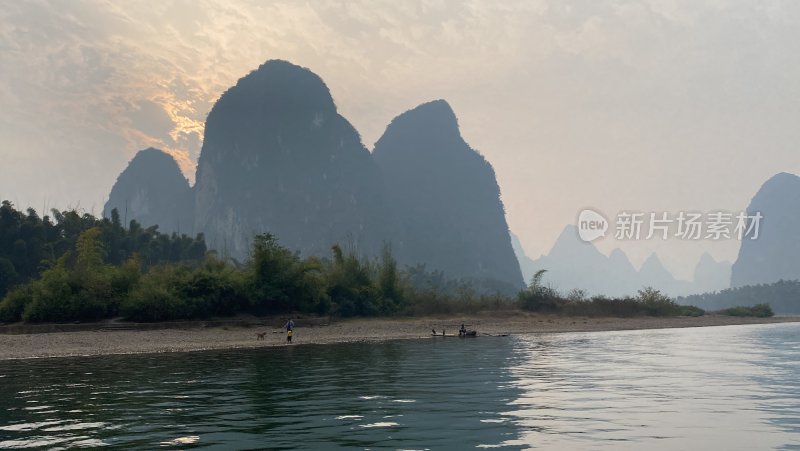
105, 342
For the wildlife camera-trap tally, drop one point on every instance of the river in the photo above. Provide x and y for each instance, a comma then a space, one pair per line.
732, 387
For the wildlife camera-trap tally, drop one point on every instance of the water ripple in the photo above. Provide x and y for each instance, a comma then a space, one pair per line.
712, 388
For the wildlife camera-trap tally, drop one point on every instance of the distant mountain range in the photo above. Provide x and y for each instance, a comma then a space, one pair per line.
773, 256
277, 157
575, 264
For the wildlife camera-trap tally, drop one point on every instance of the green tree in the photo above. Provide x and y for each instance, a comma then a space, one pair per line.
90, 250
215, 288
390, 286
350, 285
8, 276
32, 243
281, 281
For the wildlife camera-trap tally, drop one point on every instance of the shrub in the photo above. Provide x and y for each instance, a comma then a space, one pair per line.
156, 297
214, 289
280, 281
61, 295
544, 299
762, 311
350, 285
577, 295
538, 298
14, 303
602, 306
758, 311
52, 298
657, 304
691, 310
429, 302
152, 303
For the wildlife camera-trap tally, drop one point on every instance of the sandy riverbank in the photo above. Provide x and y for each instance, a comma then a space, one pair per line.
84, 343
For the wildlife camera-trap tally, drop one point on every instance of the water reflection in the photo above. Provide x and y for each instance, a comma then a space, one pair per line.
780, 375
710, 388
385, 395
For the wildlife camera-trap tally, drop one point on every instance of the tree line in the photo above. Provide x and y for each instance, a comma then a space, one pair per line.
82, 285
648, 302
85, 284
29, 244
75, 267
783, 296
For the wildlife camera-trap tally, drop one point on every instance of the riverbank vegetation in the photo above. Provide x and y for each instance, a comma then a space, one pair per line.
91, 269
649, 302
758, 311
29, 244
783, 296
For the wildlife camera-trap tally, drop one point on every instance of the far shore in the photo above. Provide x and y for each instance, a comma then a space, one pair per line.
201, 336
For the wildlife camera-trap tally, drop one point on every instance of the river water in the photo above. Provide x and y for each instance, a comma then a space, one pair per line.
733, 387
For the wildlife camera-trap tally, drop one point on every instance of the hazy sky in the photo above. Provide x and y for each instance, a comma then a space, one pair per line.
614, 105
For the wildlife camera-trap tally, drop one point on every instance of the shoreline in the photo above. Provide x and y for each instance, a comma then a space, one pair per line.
102, 342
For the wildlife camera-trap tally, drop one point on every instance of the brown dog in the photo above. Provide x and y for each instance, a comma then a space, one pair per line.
261, 335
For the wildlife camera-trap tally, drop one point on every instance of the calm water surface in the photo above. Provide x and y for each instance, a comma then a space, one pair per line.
735, 387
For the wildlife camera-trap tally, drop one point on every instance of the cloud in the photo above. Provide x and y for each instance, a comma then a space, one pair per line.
559, 95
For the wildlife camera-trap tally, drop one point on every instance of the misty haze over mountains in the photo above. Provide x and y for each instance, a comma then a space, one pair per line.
153, 190
775, 255
278, 157
445, 196
772, 257
576, 264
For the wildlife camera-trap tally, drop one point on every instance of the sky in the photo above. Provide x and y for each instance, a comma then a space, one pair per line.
651, 106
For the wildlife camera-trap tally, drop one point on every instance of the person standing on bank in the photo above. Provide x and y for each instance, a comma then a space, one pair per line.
289, 326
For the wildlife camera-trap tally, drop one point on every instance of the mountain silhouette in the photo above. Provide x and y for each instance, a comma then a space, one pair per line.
526, 264
654, 274
153, 191
619, 260
277, 157
711, 275
775, 254
446, 198
573, 263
